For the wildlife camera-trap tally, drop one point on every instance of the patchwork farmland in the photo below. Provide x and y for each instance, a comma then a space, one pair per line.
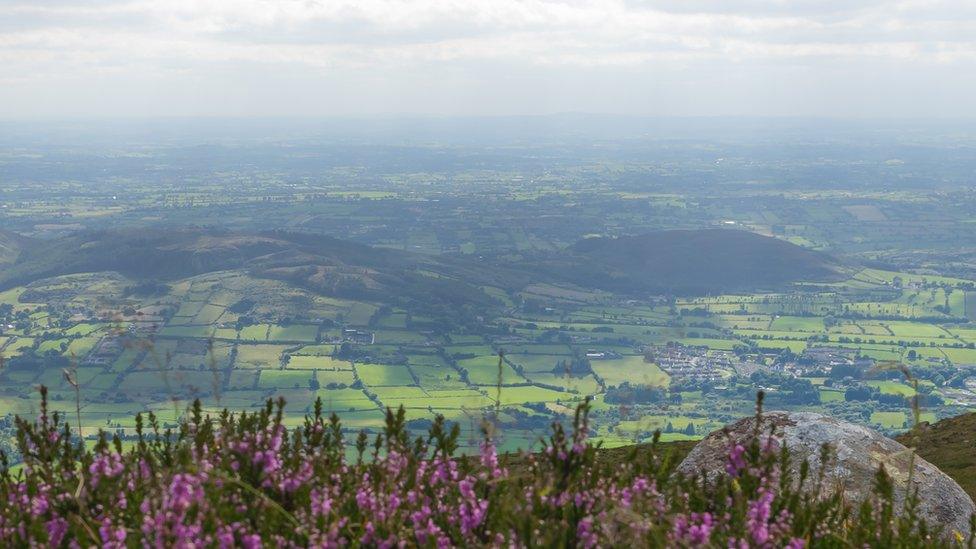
233, 340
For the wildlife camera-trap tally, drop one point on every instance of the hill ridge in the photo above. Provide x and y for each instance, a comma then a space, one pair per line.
692, 262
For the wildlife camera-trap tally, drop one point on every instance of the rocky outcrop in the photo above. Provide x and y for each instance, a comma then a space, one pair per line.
857, 453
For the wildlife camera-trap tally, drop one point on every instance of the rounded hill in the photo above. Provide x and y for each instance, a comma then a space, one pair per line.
698, 261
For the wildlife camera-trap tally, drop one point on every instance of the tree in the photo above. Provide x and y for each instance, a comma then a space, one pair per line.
858, 393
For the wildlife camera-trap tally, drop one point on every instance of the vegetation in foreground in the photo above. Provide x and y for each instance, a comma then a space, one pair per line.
950, 444
245, 480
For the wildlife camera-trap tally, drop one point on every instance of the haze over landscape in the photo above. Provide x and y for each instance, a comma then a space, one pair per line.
572, 241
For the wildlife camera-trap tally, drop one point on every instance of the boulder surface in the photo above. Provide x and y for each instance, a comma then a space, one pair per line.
857, 453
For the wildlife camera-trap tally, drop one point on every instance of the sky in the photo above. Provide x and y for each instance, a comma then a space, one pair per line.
260, 58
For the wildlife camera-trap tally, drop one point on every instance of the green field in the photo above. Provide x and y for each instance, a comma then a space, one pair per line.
259, 356
257, 332
522, 394
345, 399
187, 331
829, 395
399, 337
484, 370
892, 388
360, 314
797, 324
384, 375
536, 362
306, 362
585, 385
632, 369
890, 420
283, 378
337, 377
292, 332
436, 376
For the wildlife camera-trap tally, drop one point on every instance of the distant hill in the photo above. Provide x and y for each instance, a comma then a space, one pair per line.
11, 245
137, 253
691, 262
950, 445
680, 262
320, 263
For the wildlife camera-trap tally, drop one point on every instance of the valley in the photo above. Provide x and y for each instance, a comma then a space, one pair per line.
512, 293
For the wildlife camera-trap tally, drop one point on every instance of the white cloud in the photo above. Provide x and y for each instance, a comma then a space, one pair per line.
143, 46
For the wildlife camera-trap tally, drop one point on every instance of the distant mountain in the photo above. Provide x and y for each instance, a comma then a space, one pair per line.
690, 262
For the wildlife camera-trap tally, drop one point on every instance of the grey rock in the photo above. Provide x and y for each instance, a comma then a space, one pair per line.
857, 453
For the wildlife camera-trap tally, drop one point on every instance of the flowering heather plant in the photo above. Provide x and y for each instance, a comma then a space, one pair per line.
246, 481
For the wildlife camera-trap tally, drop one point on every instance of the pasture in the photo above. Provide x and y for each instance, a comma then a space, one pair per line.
633, 370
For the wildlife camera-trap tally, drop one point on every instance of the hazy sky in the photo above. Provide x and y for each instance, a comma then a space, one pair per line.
913, 58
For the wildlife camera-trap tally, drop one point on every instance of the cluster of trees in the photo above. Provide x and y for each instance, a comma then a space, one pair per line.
360, 353
33, 362
688, 430
7, 437
791, 390
21, 319
853, 411
147, 288
625, 393
576, 365
841, 371
864, 393
942, 375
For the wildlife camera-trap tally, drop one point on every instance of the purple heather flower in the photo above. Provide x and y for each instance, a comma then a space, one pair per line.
321, 503
112, 537
225, 537
184, 491
39, 504
56, 528
251, 541
585, 534
736, 461
106, 465
758, 516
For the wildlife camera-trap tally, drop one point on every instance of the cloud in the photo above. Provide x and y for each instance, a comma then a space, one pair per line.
392, 43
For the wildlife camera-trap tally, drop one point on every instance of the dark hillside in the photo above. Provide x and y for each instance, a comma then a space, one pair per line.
138, 253
179, 253
11, 245
319, 263
949, 444
696, 261
678, 262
